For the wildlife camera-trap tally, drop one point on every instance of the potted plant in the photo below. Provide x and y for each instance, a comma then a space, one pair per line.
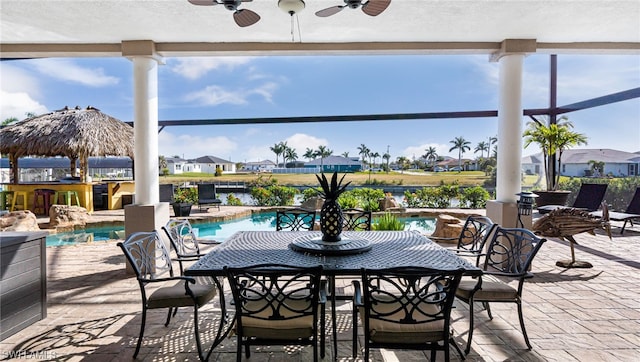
553, 139
183, 200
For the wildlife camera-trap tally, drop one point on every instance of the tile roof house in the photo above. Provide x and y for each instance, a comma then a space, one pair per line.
575, 162
260, 166
209, 164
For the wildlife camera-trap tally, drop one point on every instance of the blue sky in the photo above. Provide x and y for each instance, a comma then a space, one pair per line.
245, 87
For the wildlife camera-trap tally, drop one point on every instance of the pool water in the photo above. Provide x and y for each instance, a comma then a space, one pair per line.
214, 230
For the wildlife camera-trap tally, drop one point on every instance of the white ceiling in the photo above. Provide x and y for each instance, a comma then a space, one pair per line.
409, 25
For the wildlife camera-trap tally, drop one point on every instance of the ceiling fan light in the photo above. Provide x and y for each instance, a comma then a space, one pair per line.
291, 6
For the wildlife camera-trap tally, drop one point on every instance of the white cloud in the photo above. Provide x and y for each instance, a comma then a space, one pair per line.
69, 71
194, 68
18, 104
300, 142
214, 95
188, 146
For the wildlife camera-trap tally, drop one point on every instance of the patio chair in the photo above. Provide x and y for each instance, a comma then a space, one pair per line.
159, 288
278, 305
405, 308
207, 196
295, 219
184, 241
166, 193
508, 258
473, 237
589, 198
629, 215
356, 220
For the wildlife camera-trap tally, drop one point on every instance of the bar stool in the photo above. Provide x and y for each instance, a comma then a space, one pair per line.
14, 200
67, 196
5, 197
45, 195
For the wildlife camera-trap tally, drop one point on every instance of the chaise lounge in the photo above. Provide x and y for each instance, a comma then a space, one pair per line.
629, 215
207, 196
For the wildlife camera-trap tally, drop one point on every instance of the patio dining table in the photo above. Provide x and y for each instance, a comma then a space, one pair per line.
387, 249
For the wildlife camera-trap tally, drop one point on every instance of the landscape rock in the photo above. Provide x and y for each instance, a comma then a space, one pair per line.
313, 203
22, 220
447, 227
64, 216
388, 203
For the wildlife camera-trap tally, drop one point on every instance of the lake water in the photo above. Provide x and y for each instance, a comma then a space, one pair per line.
214, 230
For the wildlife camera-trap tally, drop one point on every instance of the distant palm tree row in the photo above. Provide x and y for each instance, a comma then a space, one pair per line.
369, 157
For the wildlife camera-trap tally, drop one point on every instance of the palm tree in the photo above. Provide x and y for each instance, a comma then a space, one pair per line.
431, 155
403, 162
323, 152
374, 155
462, 145
278, 149
345, 154
364, 152
481, 147
290, 154
553, 139
310, 154
386, 157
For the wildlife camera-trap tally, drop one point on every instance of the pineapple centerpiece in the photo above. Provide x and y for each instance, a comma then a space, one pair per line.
331, 213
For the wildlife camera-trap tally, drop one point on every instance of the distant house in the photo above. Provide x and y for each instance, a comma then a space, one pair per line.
260, 166
575, 162
179, 166
450, 163
335, 163
209, 164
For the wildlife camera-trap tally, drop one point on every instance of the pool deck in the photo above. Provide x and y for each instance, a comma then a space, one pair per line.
571, 314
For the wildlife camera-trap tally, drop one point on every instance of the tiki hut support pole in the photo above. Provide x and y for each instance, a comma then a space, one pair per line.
72, 166
14, 177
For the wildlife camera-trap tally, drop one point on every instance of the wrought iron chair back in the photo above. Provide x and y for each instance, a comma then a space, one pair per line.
406, 308
150, 260
508, 257
183, 240
295, 219
356, 219
278, 305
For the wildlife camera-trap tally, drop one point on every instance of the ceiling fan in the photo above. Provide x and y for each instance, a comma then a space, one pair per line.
242, 17
370, 7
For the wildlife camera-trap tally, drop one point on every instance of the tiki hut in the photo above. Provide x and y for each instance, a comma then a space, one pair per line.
73, 133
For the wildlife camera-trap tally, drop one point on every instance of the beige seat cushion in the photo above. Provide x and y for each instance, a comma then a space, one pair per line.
176, 296
493, 289
392, 332
295, 328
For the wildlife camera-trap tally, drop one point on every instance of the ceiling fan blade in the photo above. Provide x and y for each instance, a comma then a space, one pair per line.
375, 7
245, 17
329, 11
203, 2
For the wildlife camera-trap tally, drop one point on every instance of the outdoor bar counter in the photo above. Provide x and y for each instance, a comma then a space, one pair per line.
115, 191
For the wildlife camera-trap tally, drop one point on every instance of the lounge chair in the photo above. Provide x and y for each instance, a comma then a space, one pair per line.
629, 215
207, 196
166, 193
589, 198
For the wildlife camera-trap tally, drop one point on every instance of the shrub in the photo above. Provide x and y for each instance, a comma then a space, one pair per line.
474, 197
363, 198
232, 200
309, 193
274, 195
185, 195
387, 222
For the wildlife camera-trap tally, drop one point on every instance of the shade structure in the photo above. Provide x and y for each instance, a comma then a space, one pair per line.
74, 133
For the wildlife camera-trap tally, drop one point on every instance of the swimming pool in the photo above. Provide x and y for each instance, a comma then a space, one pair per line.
214, 230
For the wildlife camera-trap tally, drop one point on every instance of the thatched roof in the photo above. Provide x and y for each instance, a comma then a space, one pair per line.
74, 133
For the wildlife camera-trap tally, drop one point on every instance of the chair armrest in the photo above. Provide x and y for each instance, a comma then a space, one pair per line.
510, 275
357, 294
177, 278
209, 242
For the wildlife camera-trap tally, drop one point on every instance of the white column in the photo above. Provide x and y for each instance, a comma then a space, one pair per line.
145, 75
509, 128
